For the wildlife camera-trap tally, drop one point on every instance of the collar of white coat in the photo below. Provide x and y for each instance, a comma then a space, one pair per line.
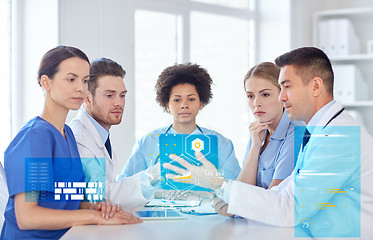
91, 128
322, 117
104, 134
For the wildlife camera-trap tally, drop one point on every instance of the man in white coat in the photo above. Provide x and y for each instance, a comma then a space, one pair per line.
330, 192
102, 108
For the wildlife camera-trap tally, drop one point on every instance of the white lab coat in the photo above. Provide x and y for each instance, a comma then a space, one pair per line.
276, 206
126, 191
4, 195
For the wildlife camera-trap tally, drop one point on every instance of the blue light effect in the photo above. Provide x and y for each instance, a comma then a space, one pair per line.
327, 182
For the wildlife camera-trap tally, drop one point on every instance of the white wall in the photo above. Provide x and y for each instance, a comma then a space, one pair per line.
103, 28
100, 28
274, 29
35, 31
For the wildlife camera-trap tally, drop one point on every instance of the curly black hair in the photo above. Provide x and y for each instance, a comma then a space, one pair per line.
183, 73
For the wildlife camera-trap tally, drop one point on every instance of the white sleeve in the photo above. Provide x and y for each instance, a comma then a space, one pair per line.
274, 206
127, 192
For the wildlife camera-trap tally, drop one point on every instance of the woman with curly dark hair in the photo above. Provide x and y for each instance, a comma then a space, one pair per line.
182, 90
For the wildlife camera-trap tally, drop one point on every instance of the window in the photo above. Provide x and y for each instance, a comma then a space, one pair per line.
5, 87
216, 34
224, 51
155, 49
227, 3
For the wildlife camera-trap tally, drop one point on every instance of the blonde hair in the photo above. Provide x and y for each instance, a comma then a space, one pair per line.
265, 70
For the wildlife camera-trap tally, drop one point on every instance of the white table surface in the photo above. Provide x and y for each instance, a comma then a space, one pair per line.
209, 227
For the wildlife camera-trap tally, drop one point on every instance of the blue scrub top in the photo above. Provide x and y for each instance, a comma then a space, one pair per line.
146, 150
40, 141
277, 160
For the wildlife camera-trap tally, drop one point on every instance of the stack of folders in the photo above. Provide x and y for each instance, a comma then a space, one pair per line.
349, 85
337, 37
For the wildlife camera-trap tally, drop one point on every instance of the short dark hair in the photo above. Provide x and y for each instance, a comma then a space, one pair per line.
309, 62
103, 67
52, 59
183, 73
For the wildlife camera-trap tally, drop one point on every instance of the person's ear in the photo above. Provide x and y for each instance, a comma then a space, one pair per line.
317, 85
201, 106
88, 100
167, 108
45, 82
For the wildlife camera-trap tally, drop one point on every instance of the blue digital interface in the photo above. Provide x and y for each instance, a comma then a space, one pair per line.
42, 184
39, 184
185, 145
169, 213
327, 182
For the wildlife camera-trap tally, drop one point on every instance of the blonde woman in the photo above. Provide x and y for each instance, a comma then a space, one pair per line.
269, 157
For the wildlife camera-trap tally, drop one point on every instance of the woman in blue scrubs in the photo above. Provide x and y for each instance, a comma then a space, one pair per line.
182, 90
269, 157
44, 155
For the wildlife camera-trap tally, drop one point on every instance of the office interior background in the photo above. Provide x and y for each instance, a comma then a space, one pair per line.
227, 37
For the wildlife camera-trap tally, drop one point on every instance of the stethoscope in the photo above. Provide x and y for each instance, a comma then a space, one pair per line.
336, 115
168, 129
331, 119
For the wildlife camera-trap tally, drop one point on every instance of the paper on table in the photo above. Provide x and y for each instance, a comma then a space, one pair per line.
204, 209
173, 203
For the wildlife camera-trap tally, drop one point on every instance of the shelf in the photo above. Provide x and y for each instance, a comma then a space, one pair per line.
353, 57
346, 12
329, 23
358, 104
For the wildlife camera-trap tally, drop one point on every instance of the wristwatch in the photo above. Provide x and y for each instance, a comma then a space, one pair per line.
219, 192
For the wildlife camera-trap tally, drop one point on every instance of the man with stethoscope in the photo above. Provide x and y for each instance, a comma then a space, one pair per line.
344, 200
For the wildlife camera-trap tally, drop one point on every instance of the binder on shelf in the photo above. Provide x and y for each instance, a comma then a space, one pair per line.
337, 37
323, 37
348, 42
332, 47
349, 85
370, 46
